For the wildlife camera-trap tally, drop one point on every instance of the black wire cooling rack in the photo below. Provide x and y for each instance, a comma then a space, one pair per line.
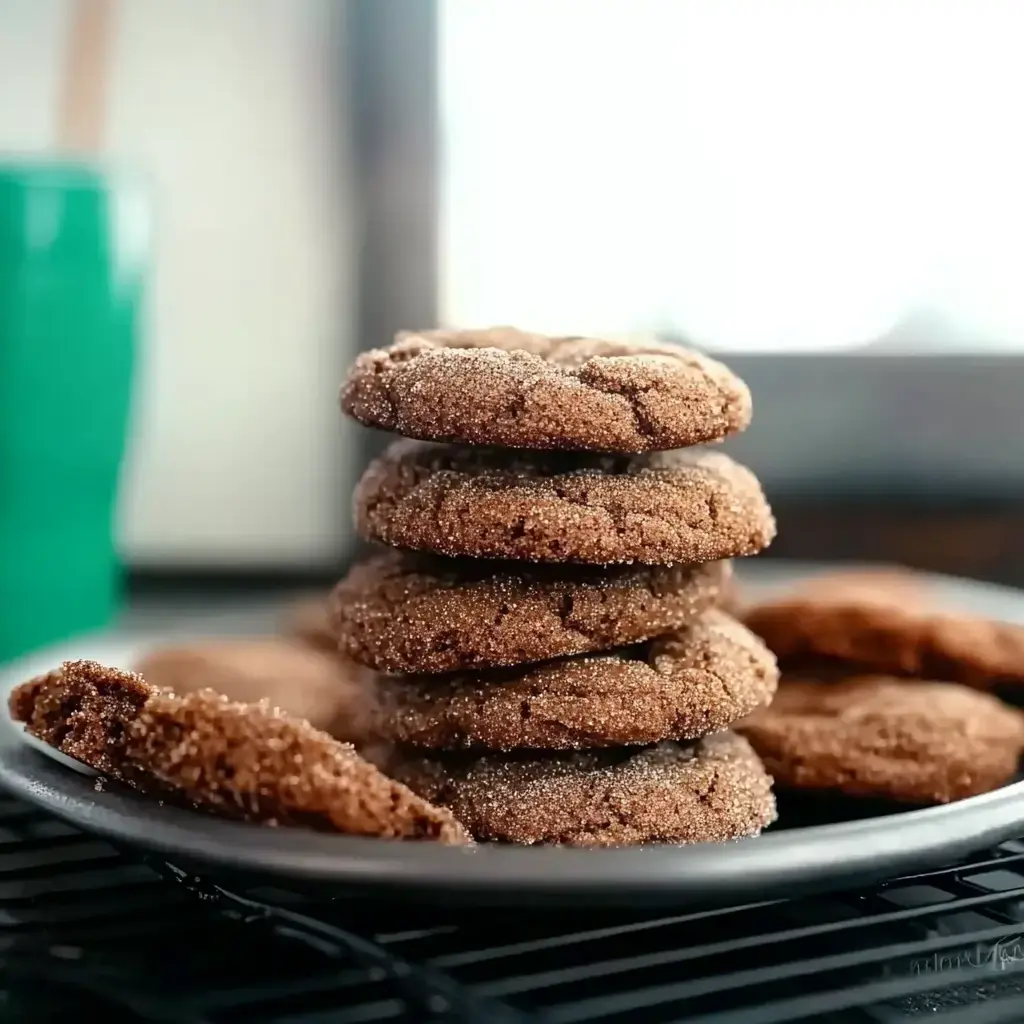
91, 932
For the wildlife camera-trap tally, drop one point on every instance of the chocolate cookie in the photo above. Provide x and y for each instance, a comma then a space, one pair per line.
243, 761
690, 683
305, 682
309, 620
709, 791
518, 390
895, 631
889, 583
915, 742
660, 508
416, 613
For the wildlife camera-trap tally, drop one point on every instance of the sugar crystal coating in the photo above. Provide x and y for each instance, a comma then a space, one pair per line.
520, 390
661, 508
711, 791
414, 613
694, 681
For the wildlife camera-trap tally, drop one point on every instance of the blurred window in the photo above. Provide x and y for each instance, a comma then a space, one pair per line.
764, 177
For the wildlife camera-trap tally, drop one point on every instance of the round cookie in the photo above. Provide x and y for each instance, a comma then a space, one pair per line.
419, 614
305, 682
695, 681
913, 742
889, 583
891, 629
309, 620
245, 761
514, 389
660, 508
710, 791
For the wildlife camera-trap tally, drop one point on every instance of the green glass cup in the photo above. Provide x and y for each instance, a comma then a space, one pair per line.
73, 254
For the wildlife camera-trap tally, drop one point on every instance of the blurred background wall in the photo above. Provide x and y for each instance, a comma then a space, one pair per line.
828, 195
235, 113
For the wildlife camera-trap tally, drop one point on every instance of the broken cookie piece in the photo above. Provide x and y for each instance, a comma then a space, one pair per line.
244, 761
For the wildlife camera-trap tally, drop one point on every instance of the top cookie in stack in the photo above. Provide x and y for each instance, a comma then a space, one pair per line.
557, 603
512, 389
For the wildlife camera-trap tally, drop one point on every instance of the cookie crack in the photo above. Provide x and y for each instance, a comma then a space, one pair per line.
645, 426
633, 392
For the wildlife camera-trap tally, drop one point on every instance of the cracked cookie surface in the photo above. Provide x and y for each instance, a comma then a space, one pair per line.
711, 791
897, 739
660, 508
687, 684
515, 389
407, 613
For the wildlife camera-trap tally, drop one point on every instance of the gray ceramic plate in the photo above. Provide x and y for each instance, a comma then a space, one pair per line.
783, 862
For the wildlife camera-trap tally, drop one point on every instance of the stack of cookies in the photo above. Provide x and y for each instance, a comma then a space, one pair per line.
553, 664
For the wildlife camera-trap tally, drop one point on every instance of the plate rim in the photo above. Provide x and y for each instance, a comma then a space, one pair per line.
775, 861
